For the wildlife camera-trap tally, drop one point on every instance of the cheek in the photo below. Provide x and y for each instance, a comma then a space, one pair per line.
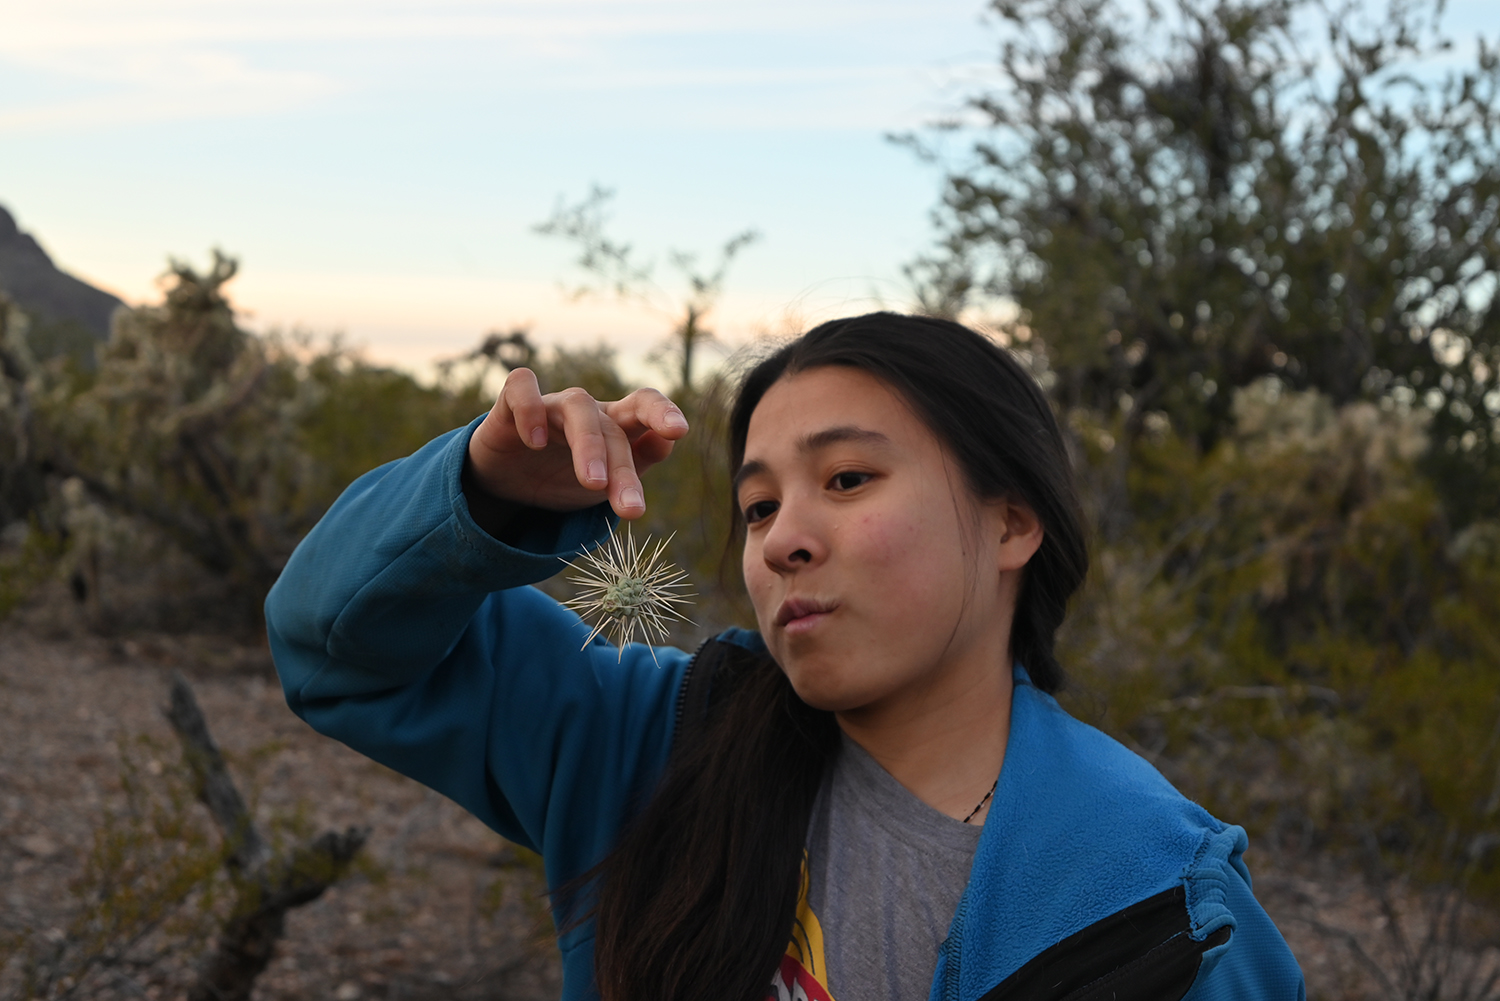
908, 552
758, 580
917, 569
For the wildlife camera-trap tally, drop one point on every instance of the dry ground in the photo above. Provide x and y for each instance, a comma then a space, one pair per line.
418, 926
421, 922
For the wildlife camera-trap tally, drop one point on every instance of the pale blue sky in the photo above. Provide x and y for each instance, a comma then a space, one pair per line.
377, 166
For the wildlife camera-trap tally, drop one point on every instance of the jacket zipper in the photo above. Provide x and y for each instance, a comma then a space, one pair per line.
682, 689
953, 946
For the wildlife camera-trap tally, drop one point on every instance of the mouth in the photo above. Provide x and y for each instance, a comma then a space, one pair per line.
798, 614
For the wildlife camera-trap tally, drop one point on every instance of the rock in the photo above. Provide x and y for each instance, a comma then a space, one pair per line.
37, 845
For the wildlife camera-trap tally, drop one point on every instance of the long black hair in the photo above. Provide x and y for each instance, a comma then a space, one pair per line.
697, 901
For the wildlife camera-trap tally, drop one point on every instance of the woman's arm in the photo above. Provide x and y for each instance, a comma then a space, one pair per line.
403, 628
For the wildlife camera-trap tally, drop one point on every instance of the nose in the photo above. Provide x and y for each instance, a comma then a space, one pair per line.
795, 538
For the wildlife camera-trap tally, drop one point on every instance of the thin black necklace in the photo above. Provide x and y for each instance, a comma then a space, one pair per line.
993, 786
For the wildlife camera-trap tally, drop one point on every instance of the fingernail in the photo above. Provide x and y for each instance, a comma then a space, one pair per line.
538, 437
596, 472
674, 419
631, 497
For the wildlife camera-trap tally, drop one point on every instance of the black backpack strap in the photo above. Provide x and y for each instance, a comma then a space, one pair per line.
1142, 953
715, 671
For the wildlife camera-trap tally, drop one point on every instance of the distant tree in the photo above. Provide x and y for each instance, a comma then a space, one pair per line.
1180, 199
496, 350
614, 268
592, 368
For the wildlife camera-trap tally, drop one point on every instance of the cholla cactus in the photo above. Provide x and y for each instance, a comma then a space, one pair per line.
625, 588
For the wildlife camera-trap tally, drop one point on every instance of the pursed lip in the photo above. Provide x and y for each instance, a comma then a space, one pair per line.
800, 608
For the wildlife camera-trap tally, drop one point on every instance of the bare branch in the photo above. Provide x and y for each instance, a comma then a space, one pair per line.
267, 886
248, 852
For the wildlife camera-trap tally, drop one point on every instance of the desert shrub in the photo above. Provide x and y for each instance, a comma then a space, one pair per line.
1292, 630
21, 482
170, 482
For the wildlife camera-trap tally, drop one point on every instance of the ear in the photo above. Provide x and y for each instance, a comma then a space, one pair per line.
1020, 534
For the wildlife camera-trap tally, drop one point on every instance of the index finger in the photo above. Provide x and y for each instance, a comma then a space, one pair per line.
648, 410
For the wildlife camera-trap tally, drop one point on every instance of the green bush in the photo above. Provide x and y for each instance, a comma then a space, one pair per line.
1291, 629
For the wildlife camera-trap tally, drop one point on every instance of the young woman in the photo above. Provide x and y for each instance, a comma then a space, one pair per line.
874, 797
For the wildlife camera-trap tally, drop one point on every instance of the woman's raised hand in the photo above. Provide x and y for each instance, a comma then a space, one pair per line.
567, 451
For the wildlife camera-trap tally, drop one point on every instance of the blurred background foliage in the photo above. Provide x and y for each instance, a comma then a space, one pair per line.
1256, 272
1296, 634
1251, 247
166, 477
1181, 198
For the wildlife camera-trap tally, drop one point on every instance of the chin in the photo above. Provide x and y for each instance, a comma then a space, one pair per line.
824, 686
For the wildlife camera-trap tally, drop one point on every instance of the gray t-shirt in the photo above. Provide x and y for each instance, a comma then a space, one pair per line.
885, 875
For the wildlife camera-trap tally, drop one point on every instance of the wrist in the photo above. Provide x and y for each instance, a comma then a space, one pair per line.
491, 513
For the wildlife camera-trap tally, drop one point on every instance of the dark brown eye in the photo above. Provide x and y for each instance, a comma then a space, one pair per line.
760, 509
848, 481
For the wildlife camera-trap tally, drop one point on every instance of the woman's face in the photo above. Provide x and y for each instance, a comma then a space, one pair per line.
878, 579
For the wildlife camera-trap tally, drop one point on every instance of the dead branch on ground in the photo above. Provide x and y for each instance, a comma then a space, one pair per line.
267, 885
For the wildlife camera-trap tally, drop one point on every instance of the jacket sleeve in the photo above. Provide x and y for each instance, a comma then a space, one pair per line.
1256, 964
404, 630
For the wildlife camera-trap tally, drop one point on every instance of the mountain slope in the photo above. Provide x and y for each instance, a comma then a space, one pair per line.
48, 295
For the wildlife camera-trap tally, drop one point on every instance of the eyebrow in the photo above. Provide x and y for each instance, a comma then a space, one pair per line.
816, 441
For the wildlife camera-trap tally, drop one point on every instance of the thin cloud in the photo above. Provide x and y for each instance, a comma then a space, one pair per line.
140, 87
99, 62
72, 25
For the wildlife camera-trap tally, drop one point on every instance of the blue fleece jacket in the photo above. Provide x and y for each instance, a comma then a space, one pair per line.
404, 630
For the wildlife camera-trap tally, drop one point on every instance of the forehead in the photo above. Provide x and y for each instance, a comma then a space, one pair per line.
799, 406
